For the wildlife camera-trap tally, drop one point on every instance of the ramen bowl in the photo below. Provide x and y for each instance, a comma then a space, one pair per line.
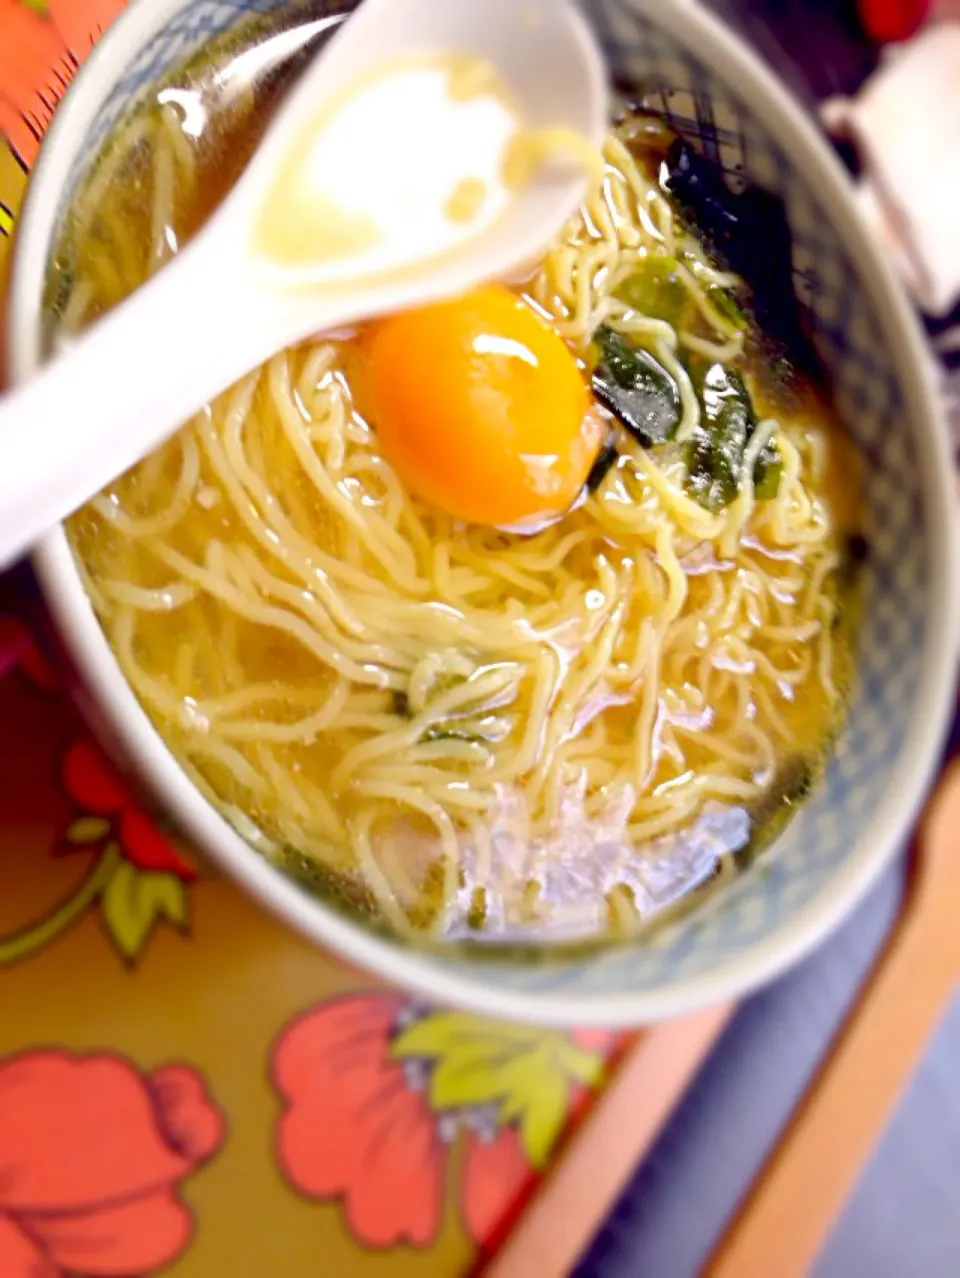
715, 94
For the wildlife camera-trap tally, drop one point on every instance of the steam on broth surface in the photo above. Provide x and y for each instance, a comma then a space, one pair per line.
551, 725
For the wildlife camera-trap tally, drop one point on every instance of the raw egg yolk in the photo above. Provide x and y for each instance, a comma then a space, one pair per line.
481, 409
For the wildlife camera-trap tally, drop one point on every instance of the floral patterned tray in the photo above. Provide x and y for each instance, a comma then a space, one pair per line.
187, 1086
183, 1080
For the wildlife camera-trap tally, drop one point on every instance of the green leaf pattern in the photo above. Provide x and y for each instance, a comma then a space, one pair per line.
531, 1075
134, 900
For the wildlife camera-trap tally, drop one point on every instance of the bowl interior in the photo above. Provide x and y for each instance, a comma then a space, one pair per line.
716, 96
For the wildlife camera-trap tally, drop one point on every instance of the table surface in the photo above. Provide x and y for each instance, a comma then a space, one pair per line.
902, 1220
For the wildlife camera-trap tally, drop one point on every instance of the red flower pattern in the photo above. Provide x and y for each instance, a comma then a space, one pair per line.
18, 650
91, 1158
890, 20
38, 58
96, 786
353, 1127
357, 1126
497, 1181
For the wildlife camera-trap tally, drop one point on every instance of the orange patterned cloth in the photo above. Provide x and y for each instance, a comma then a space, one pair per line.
184, 1084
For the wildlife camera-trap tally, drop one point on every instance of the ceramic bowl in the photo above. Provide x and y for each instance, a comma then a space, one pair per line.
716, 93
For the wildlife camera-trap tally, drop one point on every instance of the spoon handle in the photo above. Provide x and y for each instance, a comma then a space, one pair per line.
119, 390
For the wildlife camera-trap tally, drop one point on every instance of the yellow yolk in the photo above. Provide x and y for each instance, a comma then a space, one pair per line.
480, 408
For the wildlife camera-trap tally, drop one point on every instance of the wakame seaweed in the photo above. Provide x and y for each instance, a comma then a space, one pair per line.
855, 555
401, 704
485, 729
655, 288
636, 388
750, 235
714, 453
645, 399
791, 786
856, 552
857, 549
605, 458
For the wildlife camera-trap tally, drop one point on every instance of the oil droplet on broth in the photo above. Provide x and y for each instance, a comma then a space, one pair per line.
466, 201
331, 213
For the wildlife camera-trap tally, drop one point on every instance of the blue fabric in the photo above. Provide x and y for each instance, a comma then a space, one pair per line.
679, 1202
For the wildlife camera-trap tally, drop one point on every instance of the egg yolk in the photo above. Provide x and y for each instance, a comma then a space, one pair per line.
480, 408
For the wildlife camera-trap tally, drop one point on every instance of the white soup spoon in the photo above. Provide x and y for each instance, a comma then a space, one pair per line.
383, 183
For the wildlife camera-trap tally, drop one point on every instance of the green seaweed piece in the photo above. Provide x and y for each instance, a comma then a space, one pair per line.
655, 289
714, 453
636, 388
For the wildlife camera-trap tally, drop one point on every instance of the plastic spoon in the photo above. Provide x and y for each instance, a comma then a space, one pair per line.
227, 302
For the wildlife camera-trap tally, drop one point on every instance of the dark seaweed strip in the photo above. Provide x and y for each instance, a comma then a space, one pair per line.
714, 453
750, 235
790, 787
636, 388
606, 458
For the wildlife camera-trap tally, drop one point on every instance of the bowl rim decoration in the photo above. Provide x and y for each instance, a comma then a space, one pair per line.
882, 832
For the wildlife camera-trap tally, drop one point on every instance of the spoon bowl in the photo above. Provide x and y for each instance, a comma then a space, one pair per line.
54, 460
